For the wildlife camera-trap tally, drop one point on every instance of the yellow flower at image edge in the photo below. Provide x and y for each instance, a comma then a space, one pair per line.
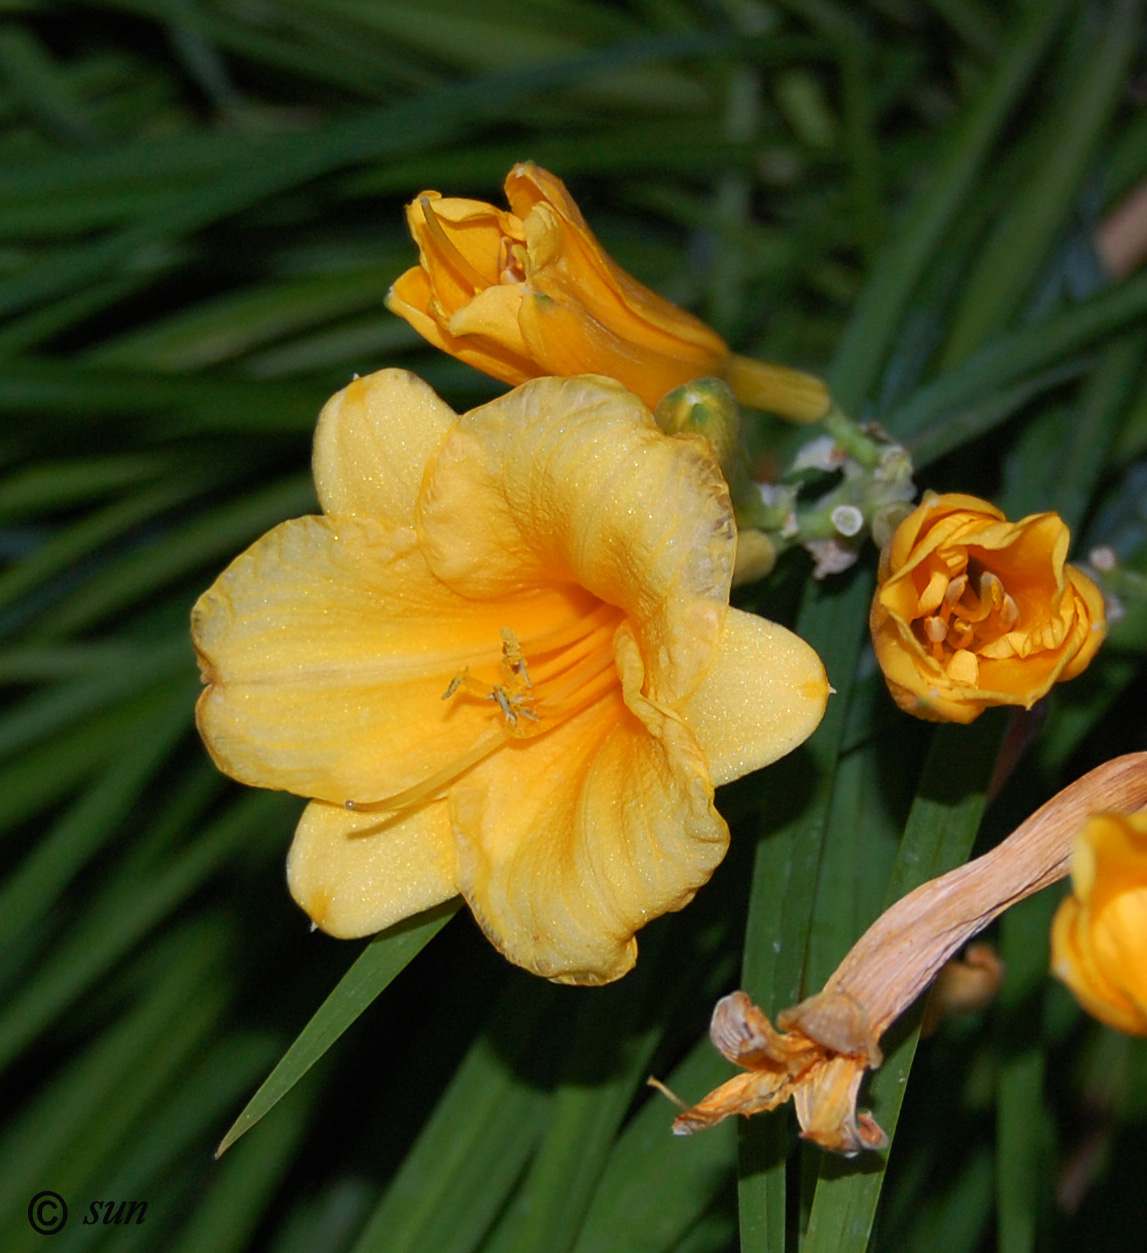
531, 292
502, 664
1099, 937
973, 611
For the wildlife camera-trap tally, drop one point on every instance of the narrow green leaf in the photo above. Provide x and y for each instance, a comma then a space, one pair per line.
127, 907
784, 886
67, 1129
385, 957
230, 326
1011, 357
939, 835
244, 1184
1011, 259
473, 1147
38, 489
656, 1187
609, 1052
75, 541
871, 331
284, 162
1024, 1160
188, 1113
961, 426
216, 535
38, 777
65, 848
49, 711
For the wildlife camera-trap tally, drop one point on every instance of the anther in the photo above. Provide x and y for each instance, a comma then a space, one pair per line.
936, 630
991, 588
955, 590
456, 682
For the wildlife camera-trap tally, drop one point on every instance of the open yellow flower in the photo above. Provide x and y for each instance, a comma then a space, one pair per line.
1099, 937
972, 610
531, 292
503, 665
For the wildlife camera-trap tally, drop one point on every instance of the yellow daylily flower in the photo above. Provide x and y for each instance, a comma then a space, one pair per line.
1099, 937
972, 610
502, 664
531, 292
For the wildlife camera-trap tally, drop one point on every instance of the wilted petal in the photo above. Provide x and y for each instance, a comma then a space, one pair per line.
827, 1042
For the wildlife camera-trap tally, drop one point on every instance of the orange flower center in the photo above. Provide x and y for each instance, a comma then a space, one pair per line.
566, 671
959, 614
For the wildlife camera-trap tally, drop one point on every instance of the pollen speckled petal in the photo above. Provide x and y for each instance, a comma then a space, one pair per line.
328, 647
372, 445
479, 665
515, 500
570, 843
358, 873
765, 694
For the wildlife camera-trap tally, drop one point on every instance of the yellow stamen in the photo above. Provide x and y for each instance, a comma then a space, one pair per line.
426, 790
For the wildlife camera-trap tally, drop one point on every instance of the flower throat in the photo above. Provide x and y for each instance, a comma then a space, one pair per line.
570, 669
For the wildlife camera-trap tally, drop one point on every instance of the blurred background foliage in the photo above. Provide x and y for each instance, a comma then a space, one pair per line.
200, 212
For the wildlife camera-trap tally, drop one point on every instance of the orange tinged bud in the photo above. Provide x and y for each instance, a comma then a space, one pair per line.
1099, 937
531, 292
973, 611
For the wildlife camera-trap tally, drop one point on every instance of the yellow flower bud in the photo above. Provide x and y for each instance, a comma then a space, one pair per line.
1099, 937
531, 292
973, 611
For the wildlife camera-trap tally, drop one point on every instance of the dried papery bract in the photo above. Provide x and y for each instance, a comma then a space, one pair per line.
826, 1043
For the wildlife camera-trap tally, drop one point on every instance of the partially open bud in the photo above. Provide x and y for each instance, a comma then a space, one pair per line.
1099, 938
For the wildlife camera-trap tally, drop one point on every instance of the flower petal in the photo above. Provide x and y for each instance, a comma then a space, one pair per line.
328, 646
558, 236
410, 297
373, 443
355, 873
603, 499
572, 841
765, 694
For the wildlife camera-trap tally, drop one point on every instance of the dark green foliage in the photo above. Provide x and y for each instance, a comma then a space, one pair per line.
200, 212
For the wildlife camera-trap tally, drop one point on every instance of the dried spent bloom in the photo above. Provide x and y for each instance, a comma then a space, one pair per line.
972, 610
1099, 937
502, 664
531, 292
827, 1042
